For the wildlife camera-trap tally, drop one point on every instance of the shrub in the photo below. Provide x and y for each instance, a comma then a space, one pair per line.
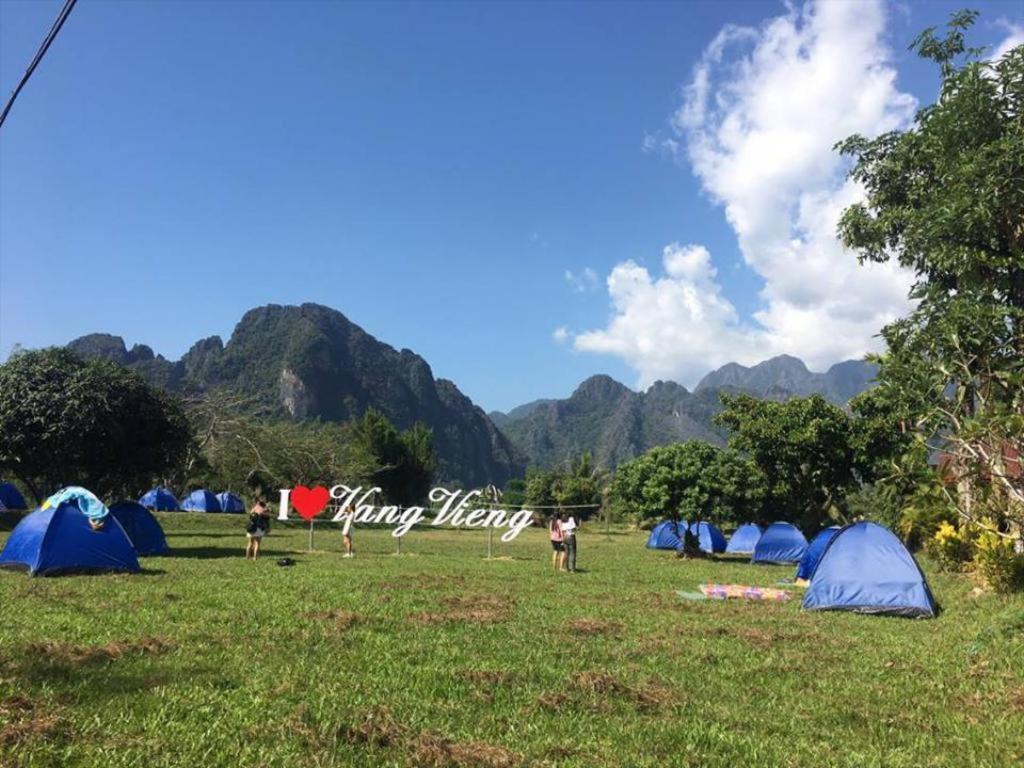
997, 564
950, 547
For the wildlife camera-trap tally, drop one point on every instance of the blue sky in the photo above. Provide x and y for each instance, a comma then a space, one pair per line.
525, 194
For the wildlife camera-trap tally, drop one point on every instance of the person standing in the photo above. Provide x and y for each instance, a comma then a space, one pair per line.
569, 541
557, 543
346, 531
258, 527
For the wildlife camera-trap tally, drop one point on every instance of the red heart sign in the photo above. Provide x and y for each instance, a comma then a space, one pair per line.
308, 502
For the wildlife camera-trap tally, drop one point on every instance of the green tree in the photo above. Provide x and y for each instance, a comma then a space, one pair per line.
578, 485
66, 421
804, 448
945, 199
689, 481
405, 461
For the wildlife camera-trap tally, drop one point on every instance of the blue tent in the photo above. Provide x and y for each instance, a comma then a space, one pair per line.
229, 502
142, 529
780, 543
11, 498
666, 535
744, 539
711, 539
866, 569
160, 499
60, 540
813, 554
201, 501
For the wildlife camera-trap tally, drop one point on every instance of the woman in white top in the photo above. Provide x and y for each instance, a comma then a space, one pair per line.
569, 539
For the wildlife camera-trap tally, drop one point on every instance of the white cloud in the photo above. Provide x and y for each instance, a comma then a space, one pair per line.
759, 118
584, 281
560, 334
1014, 38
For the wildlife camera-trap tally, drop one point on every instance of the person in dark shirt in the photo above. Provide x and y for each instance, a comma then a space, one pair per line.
258, 527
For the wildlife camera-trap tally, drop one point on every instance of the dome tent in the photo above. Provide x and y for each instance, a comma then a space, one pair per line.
666, 535
711, 539
744, 539
780, 543
814, 550
866, 569
160, 499
201, 501
141, 527
11, 498
60, 540
229, 502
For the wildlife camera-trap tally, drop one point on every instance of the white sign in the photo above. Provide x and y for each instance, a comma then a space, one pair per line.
355, 502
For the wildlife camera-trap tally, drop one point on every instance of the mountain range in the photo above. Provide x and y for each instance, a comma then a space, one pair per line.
311, 362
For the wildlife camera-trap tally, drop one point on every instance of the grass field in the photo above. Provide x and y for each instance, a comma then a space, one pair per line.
438, 656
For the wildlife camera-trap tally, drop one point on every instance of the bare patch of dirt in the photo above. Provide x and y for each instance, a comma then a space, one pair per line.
588, 627
553, 700
26, 720
477, 609
426, 749
337, 619
71, 655
485, 676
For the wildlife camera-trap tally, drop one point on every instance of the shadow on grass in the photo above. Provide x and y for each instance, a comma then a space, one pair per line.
207, 553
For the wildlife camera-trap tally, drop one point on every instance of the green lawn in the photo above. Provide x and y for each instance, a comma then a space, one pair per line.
438, 656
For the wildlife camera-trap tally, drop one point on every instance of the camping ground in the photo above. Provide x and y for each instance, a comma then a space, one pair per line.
437, 656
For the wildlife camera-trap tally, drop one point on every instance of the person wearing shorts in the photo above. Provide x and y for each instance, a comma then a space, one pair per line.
346, 531
258, 527
557, 542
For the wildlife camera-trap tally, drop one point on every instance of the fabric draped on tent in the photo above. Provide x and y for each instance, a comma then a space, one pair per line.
666, 535
201, 501
780, 543
11, 498
160, 499
711, 539
229, 502
865, 568
744, 539
142, 528
86, 501
814, 551
61, 540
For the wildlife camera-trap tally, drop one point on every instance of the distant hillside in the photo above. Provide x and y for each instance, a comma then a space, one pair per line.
785, 376
615, 423
310, 361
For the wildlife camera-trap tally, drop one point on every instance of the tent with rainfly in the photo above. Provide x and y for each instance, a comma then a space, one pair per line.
160, 499
201, 501
813, 554
866, 569
744, 539
780, 543
59, 539
666, 535
142, 528
710, 538
229, 502
11, 498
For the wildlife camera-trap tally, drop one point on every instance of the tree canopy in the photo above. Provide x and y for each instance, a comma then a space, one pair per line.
66, 421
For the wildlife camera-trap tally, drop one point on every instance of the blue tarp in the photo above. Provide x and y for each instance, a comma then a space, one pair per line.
11, 497
86, 501
160, 499
814, 550
711, 539
666, 535
744, 539
60, 540
780, 543
201, 501
142, 528
866, 569
229, 502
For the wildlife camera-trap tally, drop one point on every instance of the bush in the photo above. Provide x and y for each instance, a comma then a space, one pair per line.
950, 547
996, 564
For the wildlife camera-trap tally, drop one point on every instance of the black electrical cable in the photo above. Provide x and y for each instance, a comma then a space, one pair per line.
47, 41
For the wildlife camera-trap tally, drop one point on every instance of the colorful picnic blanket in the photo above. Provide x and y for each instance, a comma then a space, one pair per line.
743, 591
